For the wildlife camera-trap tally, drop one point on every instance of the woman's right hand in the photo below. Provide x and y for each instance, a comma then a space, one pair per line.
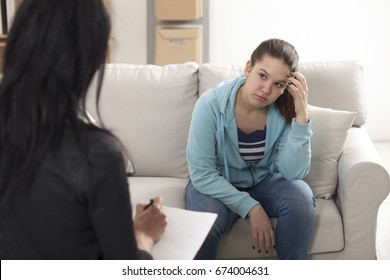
149, 224
261, 228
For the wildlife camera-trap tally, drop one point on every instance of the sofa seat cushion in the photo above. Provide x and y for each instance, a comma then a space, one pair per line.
328, 235
235, 244
171, 189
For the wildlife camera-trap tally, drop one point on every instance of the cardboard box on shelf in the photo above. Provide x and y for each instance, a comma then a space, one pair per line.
178, 10
178, 45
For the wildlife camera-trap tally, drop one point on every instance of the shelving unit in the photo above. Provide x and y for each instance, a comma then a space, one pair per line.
178, 31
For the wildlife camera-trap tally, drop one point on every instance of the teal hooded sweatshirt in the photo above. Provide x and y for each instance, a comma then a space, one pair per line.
214, 161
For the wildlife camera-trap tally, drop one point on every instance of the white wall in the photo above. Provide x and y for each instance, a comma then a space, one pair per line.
376, 60
129, 31
320, 30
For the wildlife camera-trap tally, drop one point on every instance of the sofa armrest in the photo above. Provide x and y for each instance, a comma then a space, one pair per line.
363, 184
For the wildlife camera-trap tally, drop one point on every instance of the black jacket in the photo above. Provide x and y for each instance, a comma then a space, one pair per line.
78, 208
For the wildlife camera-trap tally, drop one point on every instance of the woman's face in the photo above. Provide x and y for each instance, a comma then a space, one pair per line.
266, 81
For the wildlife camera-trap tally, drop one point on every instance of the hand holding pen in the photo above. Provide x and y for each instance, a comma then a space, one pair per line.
149, 223
151, 201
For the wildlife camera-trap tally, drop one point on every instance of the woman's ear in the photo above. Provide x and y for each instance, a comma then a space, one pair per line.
248, 68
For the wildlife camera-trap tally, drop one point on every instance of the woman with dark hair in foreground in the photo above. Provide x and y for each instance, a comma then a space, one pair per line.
63, 187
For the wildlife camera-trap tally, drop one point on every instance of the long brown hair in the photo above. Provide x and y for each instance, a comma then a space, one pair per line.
286, 52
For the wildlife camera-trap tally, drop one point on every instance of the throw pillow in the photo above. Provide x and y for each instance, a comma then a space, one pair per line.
330, 130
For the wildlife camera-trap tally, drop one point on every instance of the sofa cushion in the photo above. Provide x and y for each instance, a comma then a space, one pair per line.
149, 108
338, 85
328, 232
212, 74
330, 131
328, 235
145, 188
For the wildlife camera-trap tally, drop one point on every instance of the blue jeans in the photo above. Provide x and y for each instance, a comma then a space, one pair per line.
291, 202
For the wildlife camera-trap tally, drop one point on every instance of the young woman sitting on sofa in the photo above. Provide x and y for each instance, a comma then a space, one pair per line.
248, 150
63, 187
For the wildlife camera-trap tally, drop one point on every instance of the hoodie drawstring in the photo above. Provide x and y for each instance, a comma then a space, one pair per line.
226, 167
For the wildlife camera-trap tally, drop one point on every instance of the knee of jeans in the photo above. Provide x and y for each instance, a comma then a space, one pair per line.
218, 228
223, 222
306, 202
307, 208
309, 199
302, 191
302, 211
301, 200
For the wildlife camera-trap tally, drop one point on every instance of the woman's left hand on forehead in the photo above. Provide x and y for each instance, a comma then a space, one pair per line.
299, 91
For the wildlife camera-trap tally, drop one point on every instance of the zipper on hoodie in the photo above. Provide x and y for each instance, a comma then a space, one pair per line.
252, 171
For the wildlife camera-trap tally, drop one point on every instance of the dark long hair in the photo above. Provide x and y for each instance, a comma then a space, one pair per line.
53, 51
286, 52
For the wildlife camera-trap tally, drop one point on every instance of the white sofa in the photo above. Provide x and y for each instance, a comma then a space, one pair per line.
383, 231
383, 219
149, 108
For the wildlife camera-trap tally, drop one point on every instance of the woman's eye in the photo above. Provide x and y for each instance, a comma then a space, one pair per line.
279, 85
262, 76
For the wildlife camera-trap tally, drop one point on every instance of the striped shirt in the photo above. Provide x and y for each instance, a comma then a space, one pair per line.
251, 146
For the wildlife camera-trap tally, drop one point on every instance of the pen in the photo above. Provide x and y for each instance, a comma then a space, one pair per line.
149, 204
